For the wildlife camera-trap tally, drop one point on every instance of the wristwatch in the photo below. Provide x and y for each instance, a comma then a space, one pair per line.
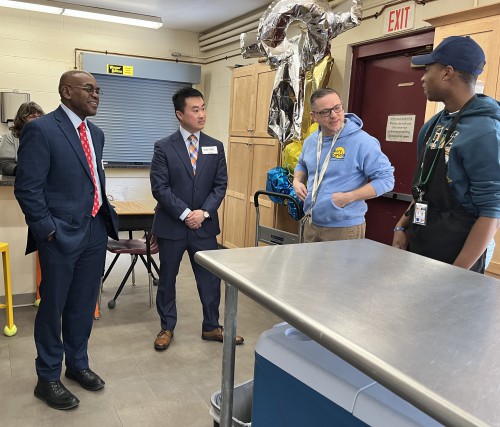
206, 215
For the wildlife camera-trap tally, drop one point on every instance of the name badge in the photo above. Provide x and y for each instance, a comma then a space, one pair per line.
420, 215
209, 150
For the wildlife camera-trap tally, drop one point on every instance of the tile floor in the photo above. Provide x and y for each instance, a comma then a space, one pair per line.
143, 387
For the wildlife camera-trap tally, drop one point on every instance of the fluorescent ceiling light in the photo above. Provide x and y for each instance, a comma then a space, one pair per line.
85, 12
31, 6
116, 17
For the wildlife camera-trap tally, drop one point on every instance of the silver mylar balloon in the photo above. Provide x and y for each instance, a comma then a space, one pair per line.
295, 36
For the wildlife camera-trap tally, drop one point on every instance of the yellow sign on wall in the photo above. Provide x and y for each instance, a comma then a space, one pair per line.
125, 70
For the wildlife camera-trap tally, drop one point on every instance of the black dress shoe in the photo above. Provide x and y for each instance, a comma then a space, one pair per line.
87, 378
56, 395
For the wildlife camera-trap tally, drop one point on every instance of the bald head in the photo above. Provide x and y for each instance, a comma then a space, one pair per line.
68, 77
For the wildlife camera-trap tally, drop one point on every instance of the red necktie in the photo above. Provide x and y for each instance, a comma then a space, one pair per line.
88, 156
193, 152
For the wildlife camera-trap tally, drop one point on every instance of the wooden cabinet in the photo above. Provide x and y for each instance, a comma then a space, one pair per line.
251, 153
483, 25
249, 160
250, 97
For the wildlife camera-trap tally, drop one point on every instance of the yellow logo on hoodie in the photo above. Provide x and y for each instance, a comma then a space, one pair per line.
338, 153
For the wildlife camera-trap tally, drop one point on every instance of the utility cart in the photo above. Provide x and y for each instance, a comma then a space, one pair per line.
273, 236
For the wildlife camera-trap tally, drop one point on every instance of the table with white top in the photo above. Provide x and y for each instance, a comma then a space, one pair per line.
427, 331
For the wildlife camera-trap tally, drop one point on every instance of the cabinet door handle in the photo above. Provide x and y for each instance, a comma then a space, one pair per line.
249, 130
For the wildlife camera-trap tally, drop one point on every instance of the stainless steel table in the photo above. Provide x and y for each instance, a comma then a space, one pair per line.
427, 331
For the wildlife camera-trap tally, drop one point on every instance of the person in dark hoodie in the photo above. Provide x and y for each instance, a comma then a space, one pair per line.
456, 185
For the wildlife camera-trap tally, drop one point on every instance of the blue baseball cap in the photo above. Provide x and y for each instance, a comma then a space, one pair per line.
462, 53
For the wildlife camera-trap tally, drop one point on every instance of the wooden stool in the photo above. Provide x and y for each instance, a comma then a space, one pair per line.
10, 329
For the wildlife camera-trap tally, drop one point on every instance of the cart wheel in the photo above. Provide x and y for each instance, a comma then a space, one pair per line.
111, 304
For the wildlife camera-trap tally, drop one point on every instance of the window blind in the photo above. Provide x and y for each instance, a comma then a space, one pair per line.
134, 113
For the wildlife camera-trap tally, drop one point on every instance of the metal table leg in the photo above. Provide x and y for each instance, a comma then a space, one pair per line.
228, 355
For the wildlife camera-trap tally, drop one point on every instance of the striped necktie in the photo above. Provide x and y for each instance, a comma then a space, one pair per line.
193, 151
88, 156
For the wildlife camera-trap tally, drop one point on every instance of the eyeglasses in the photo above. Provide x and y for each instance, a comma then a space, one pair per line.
89, 89
326, 112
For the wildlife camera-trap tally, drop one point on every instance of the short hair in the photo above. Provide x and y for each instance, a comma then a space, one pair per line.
320, 93
63, 81
179, 98
468, 79
25, 110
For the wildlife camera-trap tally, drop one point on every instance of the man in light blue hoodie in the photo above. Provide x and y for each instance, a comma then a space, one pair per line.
339, 168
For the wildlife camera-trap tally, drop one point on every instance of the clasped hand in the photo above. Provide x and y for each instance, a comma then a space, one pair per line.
194, 219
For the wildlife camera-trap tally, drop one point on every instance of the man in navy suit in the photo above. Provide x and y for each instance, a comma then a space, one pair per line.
60, 186
189, 181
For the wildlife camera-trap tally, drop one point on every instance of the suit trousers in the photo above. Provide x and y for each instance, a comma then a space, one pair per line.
68, 290
208, 284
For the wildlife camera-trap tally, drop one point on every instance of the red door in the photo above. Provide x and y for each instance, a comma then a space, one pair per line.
387, 94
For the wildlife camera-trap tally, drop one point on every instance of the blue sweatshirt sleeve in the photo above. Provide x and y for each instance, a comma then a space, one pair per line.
377, 167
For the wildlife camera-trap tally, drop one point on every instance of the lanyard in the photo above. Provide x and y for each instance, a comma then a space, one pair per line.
324, 166
430, 136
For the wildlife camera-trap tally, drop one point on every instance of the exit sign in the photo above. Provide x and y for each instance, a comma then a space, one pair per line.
399, 19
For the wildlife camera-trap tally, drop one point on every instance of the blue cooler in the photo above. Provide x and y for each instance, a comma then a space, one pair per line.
380, 407
297, 382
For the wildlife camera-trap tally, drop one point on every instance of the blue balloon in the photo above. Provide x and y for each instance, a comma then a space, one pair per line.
278, 182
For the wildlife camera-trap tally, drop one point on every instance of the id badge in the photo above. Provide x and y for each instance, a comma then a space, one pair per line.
420, 213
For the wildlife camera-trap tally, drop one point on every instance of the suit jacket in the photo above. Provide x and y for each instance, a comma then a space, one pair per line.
53, 182
176, 188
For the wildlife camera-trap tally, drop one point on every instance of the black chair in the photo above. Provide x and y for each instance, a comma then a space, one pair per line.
137, 249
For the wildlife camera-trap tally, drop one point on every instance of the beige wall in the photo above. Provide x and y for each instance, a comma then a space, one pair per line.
35, 49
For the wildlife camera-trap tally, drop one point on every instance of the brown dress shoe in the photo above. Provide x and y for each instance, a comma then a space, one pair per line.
218, 335
163, 339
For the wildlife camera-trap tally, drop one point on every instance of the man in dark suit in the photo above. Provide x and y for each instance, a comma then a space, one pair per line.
189, 181
60, 186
